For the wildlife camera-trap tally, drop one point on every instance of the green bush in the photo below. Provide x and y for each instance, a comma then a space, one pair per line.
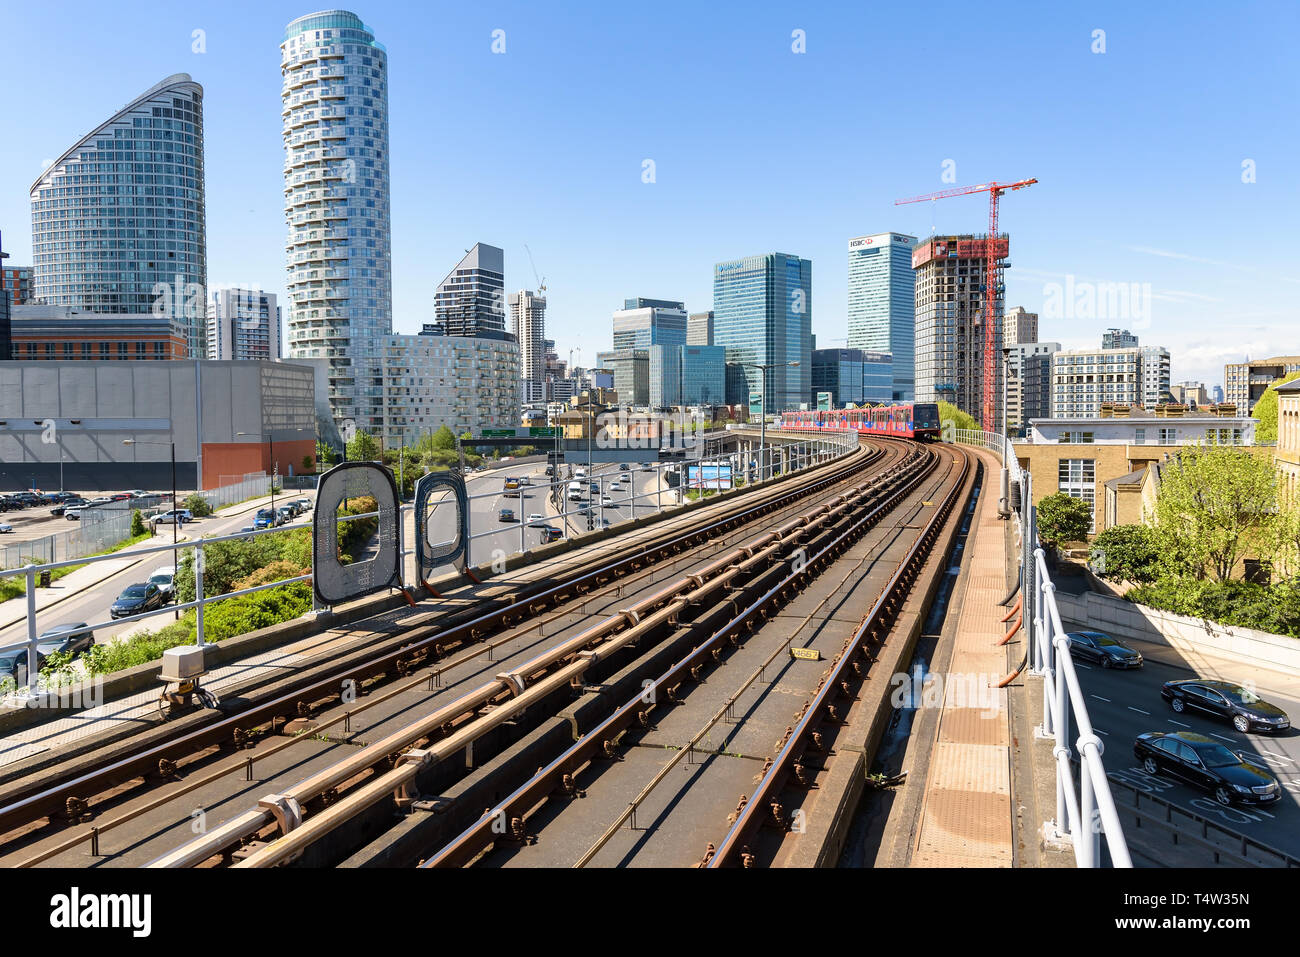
199, 506
1131, 553
137, 524
1271, 608
1062, 518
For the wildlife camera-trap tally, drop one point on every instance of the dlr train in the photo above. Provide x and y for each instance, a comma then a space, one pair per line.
913, 420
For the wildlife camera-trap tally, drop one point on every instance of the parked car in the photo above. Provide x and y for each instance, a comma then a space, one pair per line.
67, 503
1206, 764
66, 639
265, 519
121, 497
506, 515
1222, 699
5, 528
287, 513
164, 578
1102, 649
171, 515
7, 503
13, 665
304, 504
74, 514
136, 600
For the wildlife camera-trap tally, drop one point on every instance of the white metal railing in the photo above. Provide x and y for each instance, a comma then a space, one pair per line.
1085, 814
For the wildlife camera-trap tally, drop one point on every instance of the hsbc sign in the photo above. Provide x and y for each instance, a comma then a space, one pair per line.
882, 240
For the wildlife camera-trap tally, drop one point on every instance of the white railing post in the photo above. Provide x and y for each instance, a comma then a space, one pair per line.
33, 671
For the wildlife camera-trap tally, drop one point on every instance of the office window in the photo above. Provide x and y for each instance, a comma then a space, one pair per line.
1077, 478
1139, 436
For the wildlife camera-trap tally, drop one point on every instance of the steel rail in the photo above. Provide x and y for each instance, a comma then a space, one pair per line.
55, 799
476, 838
732, 847
616, 630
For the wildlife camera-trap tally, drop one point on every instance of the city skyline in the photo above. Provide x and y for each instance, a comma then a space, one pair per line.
1129, 219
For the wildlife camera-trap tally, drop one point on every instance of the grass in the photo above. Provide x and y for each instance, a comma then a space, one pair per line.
16, 586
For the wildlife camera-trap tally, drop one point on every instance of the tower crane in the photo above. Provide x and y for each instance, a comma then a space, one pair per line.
541, 280
992, 276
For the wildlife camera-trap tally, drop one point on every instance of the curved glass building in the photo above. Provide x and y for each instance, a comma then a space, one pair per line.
118, 220
334, 103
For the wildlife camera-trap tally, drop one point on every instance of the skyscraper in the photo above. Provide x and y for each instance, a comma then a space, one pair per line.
1019, 326
118, 219
949, 323
762, 314
882, 303
338, 255
528, 324
643, 323
699, 329
1118, 339
472, 298
243, 324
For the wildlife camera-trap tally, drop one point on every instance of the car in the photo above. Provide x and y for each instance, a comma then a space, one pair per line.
74, 514
164, 578
535, 517
67, 503
304, 504
624, 467
579, 473
102, 500
506, 515
647, 467
136, 600
1101, 648
551, 534
13, 665
512, 493
550, 471
1246, 710
604, 523
121, 497
7, 504
287, 513
67, 639
5, 528
606, 501
265, 519
1206, 764
171, 515
525, 480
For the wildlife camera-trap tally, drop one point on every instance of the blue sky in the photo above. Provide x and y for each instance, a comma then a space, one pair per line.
1139, 150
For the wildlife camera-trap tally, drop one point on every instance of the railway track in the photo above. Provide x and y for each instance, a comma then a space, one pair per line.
129, 798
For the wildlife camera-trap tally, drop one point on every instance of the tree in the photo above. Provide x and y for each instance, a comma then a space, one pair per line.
1215, 504
363, 448
137, 524
959, 419
1063, 518
1128, 553
307, 464
326, 455
199, 506
1266, 411
444, 439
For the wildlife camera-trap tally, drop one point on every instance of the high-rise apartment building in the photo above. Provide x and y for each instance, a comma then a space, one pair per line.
118, 219
699, 329
882, 304
243, 324
528, 326
762, 315
1029, 381
334, 102
631, 372
472, 298
1244, 383
1019, 326
1083, 381
1194, 395
1118, 339
950, 322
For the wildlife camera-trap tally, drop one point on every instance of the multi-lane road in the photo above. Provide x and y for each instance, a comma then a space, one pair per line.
1124, 704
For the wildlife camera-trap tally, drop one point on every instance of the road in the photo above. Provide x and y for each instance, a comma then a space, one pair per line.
1124, 704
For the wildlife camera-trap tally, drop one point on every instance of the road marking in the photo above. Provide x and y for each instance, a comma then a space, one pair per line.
1086, 667
1100, 698
1291, 786
1179, 723
1263, 812
1139, 710
1276, 755
1222, 738
1099, 731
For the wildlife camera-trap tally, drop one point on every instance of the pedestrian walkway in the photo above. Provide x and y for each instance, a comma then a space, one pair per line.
966, 810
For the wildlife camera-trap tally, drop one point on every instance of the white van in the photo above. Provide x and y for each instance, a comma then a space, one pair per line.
576, 491
579, 473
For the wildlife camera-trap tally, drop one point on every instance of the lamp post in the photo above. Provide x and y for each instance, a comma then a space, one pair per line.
762, 406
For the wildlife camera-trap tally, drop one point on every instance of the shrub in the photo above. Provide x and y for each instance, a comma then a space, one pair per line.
199, 506
1062, 518
274, 572
1271, 608
1130, 554
137, 524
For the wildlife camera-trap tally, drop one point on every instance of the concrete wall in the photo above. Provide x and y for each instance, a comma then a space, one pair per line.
1190, 636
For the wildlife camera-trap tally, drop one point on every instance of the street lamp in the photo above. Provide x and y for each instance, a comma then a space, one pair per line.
762, 406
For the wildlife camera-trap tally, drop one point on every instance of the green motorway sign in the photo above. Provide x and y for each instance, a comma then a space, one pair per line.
498, 433
542, 432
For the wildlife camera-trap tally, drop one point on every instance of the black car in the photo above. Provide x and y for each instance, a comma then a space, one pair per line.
1102, 649
624, 467
68, 503
1205, 763
1222, 699
65, 639
136, 600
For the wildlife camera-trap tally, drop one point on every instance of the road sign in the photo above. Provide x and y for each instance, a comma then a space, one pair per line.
823, 401
498, 433
542, 432
755, 404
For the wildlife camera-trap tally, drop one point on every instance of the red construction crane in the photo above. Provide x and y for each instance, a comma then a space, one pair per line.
991, 277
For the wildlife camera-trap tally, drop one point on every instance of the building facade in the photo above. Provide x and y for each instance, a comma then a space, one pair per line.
630, 369
1155, 376
1244, 383
882, 304
217, 415
699, 329
1118, 339
118, 220
472, 298
839, 372
1019, 326
528, 326
1029, 381
762, 314
61, 332
950, 322
878, 378
1082, 381
1191, 394
17, 281
338, 254
467, 383
1288, 438
243, 324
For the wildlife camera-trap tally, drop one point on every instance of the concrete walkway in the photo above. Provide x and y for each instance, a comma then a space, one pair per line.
966, 811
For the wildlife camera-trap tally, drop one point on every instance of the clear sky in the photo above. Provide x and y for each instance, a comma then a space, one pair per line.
1139, 150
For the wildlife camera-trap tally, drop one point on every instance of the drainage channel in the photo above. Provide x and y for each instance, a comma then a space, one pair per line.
860, 847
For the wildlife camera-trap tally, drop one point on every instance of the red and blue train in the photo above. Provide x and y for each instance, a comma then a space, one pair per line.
913, 420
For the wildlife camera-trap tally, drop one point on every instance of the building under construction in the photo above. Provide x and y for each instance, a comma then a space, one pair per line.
949, 322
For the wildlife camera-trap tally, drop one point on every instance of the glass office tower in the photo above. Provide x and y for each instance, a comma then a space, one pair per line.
118, 220
334, 101
882, 304
762, 313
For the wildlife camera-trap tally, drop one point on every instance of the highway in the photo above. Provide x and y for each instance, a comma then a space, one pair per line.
1124, 704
